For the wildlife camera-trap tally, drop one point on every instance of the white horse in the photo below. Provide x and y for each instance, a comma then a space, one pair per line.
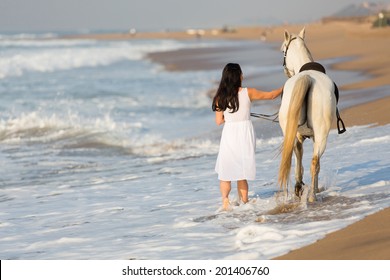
307, 111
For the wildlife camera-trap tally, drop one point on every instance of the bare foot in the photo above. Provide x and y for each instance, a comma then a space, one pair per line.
225, 204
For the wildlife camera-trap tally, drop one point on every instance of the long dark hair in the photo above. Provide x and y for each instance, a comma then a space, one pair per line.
227, 93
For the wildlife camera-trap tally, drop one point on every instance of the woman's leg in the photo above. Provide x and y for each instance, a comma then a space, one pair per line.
242, 188
225, 187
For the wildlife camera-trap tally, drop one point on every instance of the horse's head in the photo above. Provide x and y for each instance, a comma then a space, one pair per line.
294, 44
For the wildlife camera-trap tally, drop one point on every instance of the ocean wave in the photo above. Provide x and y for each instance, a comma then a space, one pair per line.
99, 134
28, 36
19, 57
51, 60
36, 128
52, 43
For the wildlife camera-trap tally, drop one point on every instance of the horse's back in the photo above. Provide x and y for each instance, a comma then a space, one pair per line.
320, 106
321, 103
321, 83
322, 88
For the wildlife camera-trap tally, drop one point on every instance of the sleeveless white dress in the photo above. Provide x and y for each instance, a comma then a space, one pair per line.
236, 157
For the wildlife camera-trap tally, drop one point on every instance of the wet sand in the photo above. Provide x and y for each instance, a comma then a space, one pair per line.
375, 113
367, 239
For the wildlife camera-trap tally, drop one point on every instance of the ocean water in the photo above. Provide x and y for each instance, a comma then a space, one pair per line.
104, 155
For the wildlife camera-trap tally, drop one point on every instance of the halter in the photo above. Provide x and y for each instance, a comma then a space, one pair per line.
286, 70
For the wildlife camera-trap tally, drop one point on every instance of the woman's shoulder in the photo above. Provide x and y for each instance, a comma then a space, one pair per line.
243, 90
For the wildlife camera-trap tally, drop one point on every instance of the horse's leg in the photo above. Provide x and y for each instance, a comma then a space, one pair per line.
314, 170
319, 149
298, 150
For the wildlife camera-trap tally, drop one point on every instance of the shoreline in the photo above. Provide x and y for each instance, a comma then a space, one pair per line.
365, 46
368, 238
372, 110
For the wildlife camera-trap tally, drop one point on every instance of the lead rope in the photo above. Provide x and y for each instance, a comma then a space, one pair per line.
272, 118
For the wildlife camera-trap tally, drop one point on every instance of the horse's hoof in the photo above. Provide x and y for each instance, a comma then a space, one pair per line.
298, 189
312, 198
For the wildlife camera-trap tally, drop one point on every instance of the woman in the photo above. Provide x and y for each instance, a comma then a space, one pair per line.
236, 157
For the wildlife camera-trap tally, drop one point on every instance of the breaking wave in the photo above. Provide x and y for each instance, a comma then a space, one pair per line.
56, 55
99, 134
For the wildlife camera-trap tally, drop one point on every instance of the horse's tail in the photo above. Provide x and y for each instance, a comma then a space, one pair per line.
298, 95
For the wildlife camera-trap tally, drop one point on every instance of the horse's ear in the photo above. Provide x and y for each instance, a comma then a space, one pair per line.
302, 33
287, 36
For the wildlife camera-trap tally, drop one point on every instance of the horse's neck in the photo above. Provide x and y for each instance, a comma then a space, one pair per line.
302, 57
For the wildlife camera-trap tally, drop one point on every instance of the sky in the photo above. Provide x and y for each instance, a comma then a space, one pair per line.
148, 15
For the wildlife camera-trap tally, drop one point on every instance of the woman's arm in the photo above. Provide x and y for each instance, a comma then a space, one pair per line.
255, 94
219, 118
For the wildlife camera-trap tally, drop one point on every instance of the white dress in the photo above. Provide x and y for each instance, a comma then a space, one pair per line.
236, 157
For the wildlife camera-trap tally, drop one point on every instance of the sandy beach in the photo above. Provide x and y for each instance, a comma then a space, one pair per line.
369, 238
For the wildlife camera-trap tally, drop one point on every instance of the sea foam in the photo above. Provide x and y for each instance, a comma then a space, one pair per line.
57, 55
